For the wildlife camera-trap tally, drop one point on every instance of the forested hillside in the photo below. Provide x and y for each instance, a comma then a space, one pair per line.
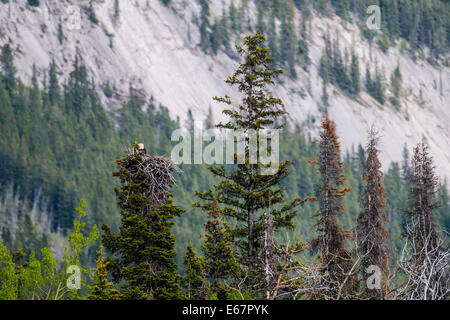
60, 144
397, 74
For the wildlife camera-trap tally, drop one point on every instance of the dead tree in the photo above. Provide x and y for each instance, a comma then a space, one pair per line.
371, 232
337, 263
424, 259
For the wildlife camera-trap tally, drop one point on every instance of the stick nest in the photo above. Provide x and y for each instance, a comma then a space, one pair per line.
158, 174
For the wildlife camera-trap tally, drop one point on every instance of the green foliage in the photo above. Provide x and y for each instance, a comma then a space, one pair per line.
102, 289
376, 86
396, 84
33, 3
204, 25
219, 35
108, 90
23, 278
221, 264
334, 68
91, 13
355, 86
9, 279
117, 9
60, 33
78, 243
8, 68
143, 251
245, 192
194, 282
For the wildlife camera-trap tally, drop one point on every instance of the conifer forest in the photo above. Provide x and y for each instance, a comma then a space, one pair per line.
240, 150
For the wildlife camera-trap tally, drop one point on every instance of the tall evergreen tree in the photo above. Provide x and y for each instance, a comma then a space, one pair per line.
54, 91
354, 75
245, 192
204, 25
396, 83
102, 289
221, 264
288, 39
8, 68
371, 231
194, 281
143, 251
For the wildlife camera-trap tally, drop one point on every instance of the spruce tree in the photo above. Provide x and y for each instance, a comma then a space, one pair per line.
221, 264
354, 75
245, 193
54, 91
396, 83
334, 258
8, 68
204, 25
143, 251
371, 231
288, 39
116, 10
91, 13
33, 3
194, 281
60, 33
102, 289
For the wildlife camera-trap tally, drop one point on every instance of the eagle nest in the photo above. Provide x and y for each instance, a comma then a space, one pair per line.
157, 171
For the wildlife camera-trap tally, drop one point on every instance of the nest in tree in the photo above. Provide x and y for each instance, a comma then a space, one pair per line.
158, 174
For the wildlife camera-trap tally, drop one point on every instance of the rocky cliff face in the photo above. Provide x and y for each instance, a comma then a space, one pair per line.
155, 48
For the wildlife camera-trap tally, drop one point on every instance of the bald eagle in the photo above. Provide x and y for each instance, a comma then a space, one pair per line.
142, 148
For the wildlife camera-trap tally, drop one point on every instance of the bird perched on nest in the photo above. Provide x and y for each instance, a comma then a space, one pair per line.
141, 148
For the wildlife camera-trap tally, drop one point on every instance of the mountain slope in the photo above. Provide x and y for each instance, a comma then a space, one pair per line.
155, 48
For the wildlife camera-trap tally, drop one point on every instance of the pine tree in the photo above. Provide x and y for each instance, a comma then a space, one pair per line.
91, 13
369, 83
116, 10
8, 68
194, 281
143, 251
245, 192
221, 264
102, 289
33, 3
354, 75
209, 121
190, 123
54, 91
288, 39
396, 83
204, 25
334, 258
406, 170
371, 231
60, 33
325, 98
